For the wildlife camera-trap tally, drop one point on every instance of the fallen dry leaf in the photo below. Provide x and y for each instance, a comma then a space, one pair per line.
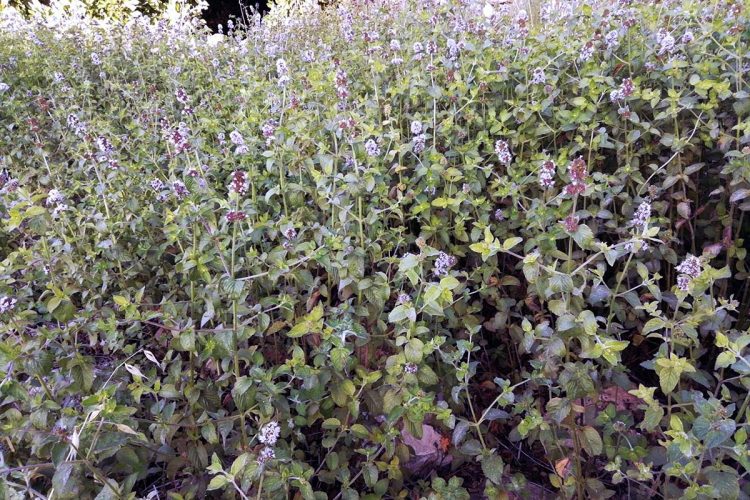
429, 450
563, 467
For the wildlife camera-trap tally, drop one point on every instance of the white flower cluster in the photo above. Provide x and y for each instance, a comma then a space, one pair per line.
7, 304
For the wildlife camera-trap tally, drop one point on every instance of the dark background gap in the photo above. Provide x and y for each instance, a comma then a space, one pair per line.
220, 11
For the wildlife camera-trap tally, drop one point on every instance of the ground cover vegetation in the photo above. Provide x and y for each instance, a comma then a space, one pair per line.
390, 249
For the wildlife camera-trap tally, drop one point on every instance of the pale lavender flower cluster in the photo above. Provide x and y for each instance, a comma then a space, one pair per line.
454, 49
78, 127
642, 214
268, 130
443, 264
689, 268
180, 190
347, 31
342, 82
395, 47
238, 182
265, 455
626, 89
372, 148
7, 304
282, 71
105, 147
419, 137
403, 298
236, 137
268, 435
418, 50
57, 199
538, 77
179, 137
410, 368
183, 98
687, 37
502, 150
547, 174
105, 151
156, 184
587, 51
666, 42
578, 175
54, 197
612, 40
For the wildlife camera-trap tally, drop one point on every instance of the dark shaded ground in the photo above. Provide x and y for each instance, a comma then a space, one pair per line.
220, 11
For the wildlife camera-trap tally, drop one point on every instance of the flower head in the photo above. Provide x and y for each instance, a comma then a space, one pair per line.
502, 150
683, 282
642, 214
538, 76
7, 304
236, 216
443, 264
54, 197
690, 266
547, 174
238, 182
570, 223
180, 190
578, 175
586, 51
372, 148
182, 96
265, 455
666, 42
419, 141
282, 70
269, 433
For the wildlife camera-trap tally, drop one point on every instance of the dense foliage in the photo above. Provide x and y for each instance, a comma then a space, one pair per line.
389, 249
116, 10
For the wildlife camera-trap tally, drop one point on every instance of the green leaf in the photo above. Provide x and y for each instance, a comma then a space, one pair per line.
725, 359
492, 466
121, 301
239, 464
339, 357
68, 481
331, 423
311, 323
341, 392
652, 418
217, 482
402, 312
511, 242
591, 441
413, 350
652, 325
719, 432
408, 261
669, 371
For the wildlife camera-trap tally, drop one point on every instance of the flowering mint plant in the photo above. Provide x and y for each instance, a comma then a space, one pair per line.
330, 252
